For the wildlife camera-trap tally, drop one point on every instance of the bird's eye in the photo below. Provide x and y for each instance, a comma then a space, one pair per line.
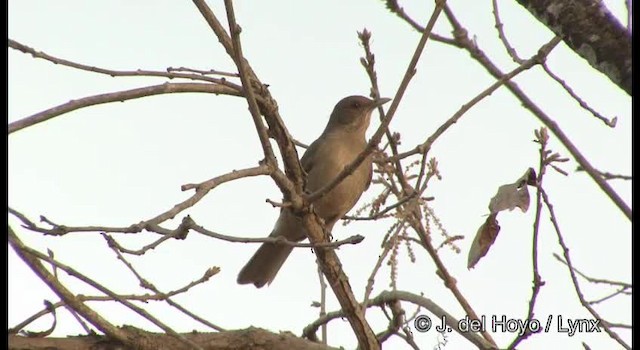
355, 105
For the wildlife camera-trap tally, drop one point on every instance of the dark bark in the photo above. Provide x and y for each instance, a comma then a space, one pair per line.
590, 30
250, 338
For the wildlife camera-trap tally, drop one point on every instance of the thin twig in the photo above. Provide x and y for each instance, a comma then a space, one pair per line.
82, 298
81, 308
500, 27
610, 295
152, 224
323, 304
171, 73
187, 224
382, 212
202, 72
394, 7
73, 313
592, 279
574, 279
504, 80
277, 240
608, 122
369, 64
167, 296
247, 85
609, 176
387, 248
542, 137
277, 130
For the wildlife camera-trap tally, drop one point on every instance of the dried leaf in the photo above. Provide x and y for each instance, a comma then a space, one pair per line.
510, 196
484, 239
515, 195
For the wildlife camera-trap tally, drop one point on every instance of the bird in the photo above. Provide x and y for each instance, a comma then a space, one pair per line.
339, 144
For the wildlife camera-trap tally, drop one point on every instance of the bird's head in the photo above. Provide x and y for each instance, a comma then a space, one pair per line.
353, 113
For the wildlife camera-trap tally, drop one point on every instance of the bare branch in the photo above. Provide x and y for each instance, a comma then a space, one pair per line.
542, 139
82, 309
202, 72
394, 7
269, 109
167, 296
119, 96
396, 227
609, 176
276, 240
611, 295
504, 80
463, 39
500, 27
624, 285
574, 279
171, 73
392, 296
33, 261
249, 95
152, 224
132, 297
323, 303
581, 102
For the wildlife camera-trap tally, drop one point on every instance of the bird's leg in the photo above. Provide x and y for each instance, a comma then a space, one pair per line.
327, 233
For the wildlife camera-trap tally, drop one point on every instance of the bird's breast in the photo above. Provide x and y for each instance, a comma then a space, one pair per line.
330, 160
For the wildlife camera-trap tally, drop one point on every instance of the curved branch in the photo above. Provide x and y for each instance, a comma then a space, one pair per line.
391, 296
119, 96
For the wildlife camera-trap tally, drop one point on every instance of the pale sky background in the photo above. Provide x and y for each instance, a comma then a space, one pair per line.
118, 164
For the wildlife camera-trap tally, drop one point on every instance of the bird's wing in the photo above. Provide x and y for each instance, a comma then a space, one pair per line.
307, 158
366, 187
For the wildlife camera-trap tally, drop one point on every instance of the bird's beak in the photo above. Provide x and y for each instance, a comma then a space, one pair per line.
379, 102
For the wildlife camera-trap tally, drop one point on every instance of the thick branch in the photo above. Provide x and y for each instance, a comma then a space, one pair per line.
69, 298
590, 30
250, 338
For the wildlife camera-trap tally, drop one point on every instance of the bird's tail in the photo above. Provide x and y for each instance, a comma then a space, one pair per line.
268, 259
264, 264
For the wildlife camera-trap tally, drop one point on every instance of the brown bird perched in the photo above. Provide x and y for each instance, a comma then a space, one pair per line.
340, 143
